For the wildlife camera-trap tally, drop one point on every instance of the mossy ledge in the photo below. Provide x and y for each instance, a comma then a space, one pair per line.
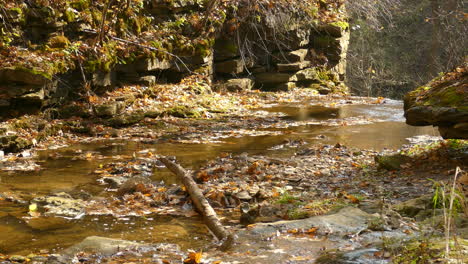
443, 102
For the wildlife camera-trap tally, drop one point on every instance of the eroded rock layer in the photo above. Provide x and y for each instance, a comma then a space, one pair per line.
443, 102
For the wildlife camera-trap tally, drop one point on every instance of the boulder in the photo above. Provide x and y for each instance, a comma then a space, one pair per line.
413, 207
391, 162
13, 143
61, 204
443, 102
309, 74
237, 85
109, 109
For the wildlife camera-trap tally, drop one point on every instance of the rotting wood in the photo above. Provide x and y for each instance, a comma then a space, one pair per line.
201, 204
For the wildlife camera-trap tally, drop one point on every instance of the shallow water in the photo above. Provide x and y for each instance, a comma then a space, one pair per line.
61, 171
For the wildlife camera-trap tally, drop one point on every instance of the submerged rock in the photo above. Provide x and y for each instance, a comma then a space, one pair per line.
103, 245
61, 204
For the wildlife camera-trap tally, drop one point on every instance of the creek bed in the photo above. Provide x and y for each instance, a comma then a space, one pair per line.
373, 127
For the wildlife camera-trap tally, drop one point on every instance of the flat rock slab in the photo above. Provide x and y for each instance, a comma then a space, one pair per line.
347, 220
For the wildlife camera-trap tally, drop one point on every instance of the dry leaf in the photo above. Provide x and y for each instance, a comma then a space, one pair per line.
194, 258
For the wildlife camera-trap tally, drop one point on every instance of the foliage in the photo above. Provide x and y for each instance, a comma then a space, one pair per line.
417, 251
412, 41
287, 198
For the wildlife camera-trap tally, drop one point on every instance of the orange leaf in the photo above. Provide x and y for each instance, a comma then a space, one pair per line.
352, 199
193, 258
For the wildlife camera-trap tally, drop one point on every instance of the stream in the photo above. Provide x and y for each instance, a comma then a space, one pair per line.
62, 172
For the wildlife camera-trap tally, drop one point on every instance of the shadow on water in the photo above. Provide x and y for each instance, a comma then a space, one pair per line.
61, 171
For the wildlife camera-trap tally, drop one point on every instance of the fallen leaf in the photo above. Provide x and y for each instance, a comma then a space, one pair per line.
193, 258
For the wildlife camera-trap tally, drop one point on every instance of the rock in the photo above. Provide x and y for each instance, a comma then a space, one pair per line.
17, 258
441, 102
248, 215
243, 195
238, 85
459, 130
290, 67
126, 119
335, 29
61, 204
109, 109
273, 78
24, 76
132, 185
231, 66
324, 90
258, 69
283, 87
102, 245
144, 65
347, 220
309, 74
413, 207
147, 80
128, 98
225, 49
71, 110
4, 103
296, 56
391, 162
154, 113
13, 143
49, 223
184, 111
103, 79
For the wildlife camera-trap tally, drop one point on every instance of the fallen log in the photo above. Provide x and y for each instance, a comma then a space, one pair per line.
201, 204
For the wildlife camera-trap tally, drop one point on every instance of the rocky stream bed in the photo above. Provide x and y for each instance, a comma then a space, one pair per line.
322, 180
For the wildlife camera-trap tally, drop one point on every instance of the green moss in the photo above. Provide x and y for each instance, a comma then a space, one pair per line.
35, 72
184, 111
58, 42
341, 24
80, 5
297, 213
286, 198
70, 15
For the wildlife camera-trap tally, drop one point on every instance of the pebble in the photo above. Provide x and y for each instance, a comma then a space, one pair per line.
18, 258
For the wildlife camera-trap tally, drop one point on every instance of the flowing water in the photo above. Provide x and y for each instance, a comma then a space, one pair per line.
61, 171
